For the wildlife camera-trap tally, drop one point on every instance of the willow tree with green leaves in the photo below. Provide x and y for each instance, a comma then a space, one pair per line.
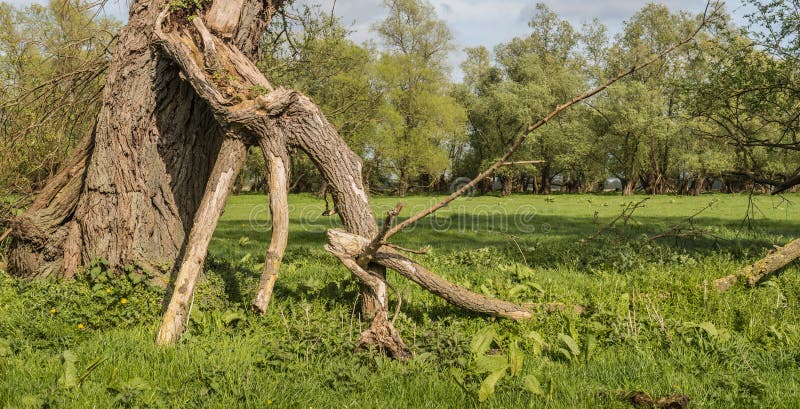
532, 76
420, 120
639, 118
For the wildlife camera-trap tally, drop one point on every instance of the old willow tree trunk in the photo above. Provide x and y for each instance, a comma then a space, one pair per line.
130, 193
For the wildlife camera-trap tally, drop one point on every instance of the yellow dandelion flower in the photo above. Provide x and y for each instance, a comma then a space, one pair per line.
108, 291
80, 326
123, 301
53, 311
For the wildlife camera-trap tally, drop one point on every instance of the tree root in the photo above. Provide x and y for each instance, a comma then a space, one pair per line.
754, 273
383, 336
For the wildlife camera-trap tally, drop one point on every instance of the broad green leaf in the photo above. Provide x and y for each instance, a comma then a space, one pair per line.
490, 363
538, 341
532, 385
481, 341
709, 328
565, 354
537, 287
536, 337
570, 343
136, 277
590, 344
69, 379
517, 289
515, 359
488, 384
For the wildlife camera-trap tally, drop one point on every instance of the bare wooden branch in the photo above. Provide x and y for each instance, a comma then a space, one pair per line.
228, 163
523, 162
223, 16
209, 49
375, 244
686, 227
349, 244
790, 183
754, 273
5, 234
708, 15
278, 176
626, 215
424, 250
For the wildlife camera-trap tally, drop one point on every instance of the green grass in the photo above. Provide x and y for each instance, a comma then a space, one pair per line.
652, 322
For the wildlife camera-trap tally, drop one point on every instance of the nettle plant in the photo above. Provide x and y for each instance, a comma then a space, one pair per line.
500, 357
495, 357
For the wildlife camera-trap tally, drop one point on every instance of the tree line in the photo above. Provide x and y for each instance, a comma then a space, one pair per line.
722, 112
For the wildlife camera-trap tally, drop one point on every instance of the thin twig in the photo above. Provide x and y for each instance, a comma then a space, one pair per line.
522, 253
380, 238
625, 216
424, 250
5, 234
686, 227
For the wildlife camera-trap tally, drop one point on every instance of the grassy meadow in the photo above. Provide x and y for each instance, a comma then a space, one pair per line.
651, 320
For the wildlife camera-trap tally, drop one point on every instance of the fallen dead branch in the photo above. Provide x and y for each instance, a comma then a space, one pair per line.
349, 246
775, 260
625, 217
522, 162
686, 228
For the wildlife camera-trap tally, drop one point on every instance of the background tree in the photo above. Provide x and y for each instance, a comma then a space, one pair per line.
52, 64
421, 120
638, 122
533, 74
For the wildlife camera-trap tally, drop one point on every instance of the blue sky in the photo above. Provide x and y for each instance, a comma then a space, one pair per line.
480, 22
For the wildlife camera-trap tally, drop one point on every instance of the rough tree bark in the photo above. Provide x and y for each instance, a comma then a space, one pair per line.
130, 193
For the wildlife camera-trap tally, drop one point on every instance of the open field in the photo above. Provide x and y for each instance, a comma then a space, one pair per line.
651, 322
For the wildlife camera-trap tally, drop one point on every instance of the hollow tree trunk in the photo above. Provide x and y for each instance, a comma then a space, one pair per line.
130, 193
